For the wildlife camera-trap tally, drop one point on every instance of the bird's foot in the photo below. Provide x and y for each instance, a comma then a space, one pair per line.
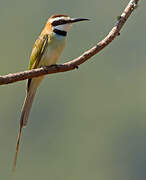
76, 67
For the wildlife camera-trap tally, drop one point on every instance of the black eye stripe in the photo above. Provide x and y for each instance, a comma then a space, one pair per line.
60, 22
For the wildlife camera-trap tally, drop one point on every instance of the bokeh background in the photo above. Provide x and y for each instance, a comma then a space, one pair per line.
85, 124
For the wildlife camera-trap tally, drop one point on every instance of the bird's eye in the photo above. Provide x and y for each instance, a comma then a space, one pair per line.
59, 22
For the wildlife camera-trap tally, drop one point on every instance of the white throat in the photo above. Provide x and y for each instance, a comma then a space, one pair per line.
63, 27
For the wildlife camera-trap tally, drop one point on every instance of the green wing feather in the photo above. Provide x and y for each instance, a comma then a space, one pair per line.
37, 51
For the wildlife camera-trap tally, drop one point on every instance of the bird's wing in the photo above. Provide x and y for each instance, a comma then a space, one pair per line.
38, 50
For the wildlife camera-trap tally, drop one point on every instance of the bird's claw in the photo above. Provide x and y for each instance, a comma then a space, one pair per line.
76, 67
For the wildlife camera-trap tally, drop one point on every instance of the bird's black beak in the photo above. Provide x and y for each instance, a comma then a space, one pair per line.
73, 20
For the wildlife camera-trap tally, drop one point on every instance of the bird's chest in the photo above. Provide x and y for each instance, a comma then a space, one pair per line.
52, 52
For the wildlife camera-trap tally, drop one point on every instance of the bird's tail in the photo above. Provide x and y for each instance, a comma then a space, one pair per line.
24, 119
25, 113
27, 107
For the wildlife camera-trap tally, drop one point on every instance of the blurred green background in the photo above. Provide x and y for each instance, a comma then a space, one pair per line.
85, 124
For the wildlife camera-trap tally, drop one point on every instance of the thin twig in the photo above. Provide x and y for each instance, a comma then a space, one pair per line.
11, 78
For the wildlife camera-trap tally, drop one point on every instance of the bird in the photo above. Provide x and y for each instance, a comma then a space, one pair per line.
46, 51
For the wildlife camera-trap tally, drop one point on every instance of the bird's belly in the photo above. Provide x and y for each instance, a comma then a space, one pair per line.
51, 56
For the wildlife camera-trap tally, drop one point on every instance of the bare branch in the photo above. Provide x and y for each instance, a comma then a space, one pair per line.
11, 78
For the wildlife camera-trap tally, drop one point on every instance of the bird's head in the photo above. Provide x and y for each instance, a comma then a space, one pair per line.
62, 23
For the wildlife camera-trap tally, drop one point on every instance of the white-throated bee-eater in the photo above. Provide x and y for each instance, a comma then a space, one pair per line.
46, 51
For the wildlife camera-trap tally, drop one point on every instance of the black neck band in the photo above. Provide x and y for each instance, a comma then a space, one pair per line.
59, 32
